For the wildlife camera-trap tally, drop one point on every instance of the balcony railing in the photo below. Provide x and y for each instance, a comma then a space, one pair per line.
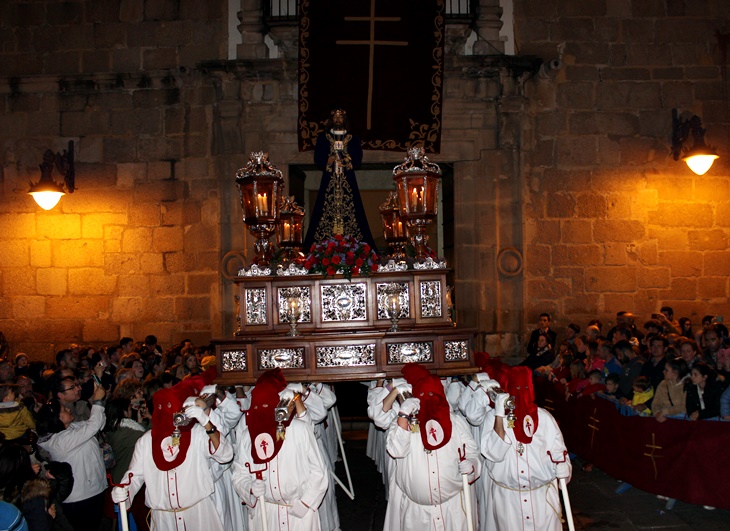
282, 11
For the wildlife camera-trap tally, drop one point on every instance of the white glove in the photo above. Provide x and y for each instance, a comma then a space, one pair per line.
296, 387
209, 390
397, 382
286, 394
405, 388
466, 467
500, 404
189, 401
298, 509
197, 413
481, 377
410, 405
562, 470
120, 494
489, 384
474, 385
258, 488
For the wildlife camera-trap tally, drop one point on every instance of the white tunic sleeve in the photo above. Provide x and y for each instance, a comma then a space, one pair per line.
398, 441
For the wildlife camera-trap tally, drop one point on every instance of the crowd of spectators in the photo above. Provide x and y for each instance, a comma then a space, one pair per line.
665, 368
65, 425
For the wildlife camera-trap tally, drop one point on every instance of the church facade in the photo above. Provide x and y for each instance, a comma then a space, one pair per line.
563, 194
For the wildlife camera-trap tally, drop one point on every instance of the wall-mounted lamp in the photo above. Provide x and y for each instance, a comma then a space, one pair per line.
700, 157
47, 192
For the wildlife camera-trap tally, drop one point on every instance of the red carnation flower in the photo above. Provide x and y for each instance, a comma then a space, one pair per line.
325, 261
355, 270
338, 237
374, 267
366, 249
358, 262
336, 259
331, 270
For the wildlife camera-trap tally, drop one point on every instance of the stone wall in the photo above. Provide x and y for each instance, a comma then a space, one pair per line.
567, 198
135, 249
612, 221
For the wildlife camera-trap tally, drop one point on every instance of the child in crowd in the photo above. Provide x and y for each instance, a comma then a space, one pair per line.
561, 373
593, 362
594, 384
643, 394
613, 392
578, 379
21, 364
549, 370
15, 419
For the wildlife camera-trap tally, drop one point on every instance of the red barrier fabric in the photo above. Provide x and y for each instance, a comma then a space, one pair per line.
682, 459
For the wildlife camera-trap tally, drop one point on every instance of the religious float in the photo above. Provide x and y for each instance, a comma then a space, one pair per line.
341, 313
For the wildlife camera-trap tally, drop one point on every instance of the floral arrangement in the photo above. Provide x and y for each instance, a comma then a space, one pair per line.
341, 254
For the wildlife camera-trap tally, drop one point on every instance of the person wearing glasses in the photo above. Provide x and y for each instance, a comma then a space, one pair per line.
67, 390
66, 439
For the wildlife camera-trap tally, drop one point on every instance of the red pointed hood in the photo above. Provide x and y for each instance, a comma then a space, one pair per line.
165, 403
519, 385
260, 416
434, 416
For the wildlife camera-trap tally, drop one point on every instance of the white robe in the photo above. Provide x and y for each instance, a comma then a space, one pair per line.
430, 481
523, 492
319, 403
296, 473
376, 430
182, 498
382, 421
475, 404
233, 514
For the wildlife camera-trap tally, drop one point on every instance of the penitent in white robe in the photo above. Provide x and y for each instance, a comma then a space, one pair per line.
523, 493
474, 404
319, 404
232, 512
296, 473
182, 498
382, 421
430, 481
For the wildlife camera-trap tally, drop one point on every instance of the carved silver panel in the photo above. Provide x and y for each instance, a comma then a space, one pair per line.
254, 271
431, 298
292, 271
234, 360
456, 350
391, 266
410, 352
344, 302
346, 356
404, 297
255, 306
282, 358
305, 303
430, 263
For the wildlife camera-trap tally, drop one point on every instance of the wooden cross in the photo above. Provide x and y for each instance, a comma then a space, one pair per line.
592, 426
651, 455
372, 43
